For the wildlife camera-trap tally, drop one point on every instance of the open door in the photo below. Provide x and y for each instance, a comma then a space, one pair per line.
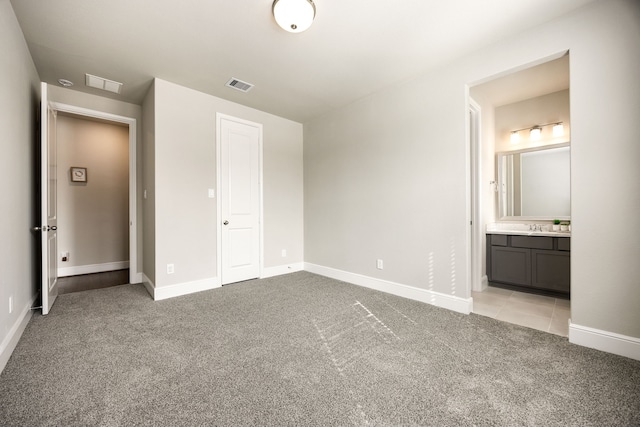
48, 216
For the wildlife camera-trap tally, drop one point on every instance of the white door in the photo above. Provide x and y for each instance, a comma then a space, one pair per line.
48, 200
240, 146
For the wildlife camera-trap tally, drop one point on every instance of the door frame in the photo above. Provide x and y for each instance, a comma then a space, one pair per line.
219, 118
474, 178
134, 275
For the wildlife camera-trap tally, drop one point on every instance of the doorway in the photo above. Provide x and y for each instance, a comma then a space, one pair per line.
239, 166
92, 194
503, 99
92, 215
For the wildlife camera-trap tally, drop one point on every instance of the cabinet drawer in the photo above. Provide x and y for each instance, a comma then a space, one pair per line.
499, 239
564, 244
532, 242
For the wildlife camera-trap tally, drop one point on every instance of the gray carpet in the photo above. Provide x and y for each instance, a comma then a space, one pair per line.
301, 350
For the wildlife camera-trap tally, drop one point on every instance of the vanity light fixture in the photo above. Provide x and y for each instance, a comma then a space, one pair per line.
535, 132
294, 16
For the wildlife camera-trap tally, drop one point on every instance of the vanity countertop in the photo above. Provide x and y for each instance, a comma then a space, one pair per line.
523, 230
532, 233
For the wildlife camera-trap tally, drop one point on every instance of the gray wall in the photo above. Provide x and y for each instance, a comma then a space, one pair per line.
93, 217
386, 177
19, 96
181, 148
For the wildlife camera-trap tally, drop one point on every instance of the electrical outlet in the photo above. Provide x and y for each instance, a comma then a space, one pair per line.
170, 269
284, 253
379, 264
10, 305
64, 256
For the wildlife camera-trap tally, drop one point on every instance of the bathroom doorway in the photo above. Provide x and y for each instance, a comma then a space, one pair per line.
532, 95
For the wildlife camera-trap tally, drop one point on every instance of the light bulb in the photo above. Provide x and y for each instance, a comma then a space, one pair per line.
536, 132
558, 129
515, 137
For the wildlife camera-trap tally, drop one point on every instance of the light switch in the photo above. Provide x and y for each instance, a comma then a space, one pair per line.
212, 193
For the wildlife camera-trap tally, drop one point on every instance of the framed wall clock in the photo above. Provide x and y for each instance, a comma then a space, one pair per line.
78, 174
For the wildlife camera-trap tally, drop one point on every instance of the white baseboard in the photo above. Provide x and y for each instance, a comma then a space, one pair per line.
136, 278
610, 342
11, 340
451, 302
92, 268
148, 285
179, 289
279, 270
484, 283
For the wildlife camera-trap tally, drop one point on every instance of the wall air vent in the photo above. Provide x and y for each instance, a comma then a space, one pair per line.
239, 85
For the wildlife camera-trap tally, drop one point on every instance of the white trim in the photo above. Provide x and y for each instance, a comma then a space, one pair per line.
179, 289
218, 199
92, 268
484, 283
11, 340
610, 342
474, 193
133, 175
451, 302
136, 278
149, 285
219, 118
279, 270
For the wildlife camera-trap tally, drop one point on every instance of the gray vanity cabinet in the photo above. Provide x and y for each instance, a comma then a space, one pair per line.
511, 265
538, 264
551, 270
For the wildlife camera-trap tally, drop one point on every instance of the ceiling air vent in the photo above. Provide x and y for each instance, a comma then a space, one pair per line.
102, 83
239, 85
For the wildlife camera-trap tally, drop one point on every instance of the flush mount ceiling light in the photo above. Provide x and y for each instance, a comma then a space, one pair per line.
294, 16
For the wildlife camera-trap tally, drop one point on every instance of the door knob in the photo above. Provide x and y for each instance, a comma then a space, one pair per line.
226, 223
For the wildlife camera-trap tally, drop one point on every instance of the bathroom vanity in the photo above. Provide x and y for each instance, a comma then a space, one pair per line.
535, 262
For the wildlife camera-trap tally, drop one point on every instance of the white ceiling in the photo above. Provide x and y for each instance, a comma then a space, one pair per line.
354, 48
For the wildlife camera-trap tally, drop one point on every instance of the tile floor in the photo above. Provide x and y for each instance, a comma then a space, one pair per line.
533, 311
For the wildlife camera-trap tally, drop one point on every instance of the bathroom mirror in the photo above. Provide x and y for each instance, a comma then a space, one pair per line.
535, 183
